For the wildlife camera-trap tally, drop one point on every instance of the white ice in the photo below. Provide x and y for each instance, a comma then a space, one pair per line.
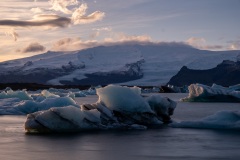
219, 120
117, 108
22, 95
123, 99
200, 92
157, 68
48, 94
32, 106
161, 105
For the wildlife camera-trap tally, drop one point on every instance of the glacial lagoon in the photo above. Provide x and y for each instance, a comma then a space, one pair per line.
162, 143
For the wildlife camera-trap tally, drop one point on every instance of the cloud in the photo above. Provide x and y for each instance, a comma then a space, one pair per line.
200, 43
141, 38
72, 44
49, 21
98, 31
213, 47
79, 15
38, 21
62, 5
234, 44
32, 47
196, 41
12, 33
102, 29
234, 47
37, 10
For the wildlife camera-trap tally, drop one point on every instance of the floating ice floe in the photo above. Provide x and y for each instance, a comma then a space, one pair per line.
53, 92
151, 90
117, 108
79, 94
220, 120
9, 93
216, 93
32, 106
63, 119
15, 106
22, 102
48, 94
7, 106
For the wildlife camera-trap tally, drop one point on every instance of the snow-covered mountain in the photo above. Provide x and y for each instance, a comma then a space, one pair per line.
132, 64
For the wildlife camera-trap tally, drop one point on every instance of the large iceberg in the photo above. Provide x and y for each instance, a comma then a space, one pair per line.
220, 120
216, 93
117, 108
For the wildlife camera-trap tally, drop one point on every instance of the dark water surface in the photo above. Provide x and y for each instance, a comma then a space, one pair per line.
165, 143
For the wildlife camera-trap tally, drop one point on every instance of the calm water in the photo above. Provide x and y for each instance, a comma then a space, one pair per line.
165, 143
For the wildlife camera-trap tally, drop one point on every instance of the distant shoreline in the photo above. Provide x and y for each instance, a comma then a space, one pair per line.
36, 86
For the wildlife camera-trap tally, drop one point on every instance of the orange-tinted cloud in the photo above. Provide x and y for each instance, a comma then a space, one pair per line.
32, 47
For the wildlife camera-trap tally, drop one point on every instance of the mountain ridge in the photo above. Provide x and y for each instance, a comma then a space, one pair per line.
226, 73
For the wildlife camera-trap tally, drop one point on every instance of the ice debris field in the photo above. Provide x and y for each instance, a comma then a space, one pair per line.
118, 107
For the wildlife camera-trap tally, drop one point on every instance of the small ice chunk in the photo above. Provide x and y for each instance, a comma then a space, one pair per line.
48, 94
79, 94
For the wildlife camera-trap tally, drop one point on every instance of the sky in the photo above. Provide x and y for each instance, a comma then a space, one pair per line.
30, 27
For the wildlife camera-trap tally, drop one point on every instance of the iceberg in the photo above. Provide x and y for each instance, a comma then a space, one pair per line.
216, 93
220, 120
79, 94
64, 119
123, 99
32, 106
9, 93
162, 106
117, 108
48, 94
15, 106
7, 106
54, 93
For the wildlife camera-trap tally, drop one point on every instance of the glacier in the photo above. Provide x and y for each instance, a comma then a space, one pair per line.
215, 93
118, 107
150, 64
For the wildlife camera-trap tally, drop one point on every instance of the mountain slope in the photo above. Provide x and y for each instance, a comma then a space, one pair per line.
132, 64
226, 74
